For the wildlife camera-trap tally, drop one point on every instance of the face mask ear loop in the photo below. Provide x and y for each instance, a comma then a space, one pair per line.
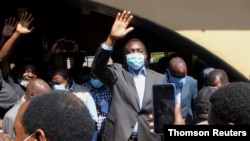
168, 74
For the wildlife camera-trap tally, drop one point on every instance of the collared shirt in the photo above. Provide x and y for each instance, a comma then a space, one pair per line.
72, 86
102, 98
76, 88
139, 79
139, 83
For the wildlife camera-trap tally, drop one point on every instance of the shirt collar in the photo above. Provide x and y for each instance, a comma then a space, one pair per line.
71, 86
141, 72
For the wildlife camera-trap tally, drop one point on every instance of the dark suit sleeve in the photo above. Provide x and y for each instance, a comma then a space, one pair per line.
99, 66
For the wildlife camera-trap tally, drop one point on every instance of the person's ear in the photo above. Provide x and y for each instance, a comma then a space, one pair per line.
40, 135
145, 56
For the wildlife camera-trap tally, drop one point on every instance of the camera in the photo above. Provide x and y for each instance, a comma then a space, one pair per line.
65, 45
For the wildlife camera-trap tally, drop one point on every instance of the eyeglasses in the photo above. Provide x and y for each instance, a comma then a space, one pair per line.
29, 136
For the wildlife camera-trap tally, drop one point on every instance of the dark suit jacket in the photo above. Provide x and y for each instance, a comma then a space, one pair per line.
124, 109
188, 95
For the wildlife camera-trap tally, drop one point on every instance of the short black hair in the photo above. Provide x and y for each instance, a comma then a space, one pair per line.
62, 71
134, 40
231, 103
220, 73
61, 115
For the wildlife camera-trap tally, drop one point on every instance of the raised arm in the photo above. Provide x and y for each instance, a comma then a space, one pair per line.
21, 29
119, 29
55, 49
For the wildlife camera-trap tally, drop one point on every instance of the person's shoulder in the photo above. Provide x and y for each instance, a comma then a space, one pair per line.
154, 72
205, 93
208, 89
13, 110
191, 79
83, 96
115, 65
80, 88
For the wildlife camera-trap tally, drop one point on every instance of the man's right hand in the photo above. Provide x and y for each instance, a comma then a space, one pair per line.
120, 27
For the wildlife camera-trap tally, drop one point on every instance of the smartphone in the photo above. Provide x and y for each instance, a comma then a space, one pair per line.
163, 105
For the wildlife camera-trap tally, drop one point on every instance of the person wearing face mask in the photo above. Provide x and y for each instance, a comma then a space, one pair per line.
62, 81
22, 74
102, 97
130, 83
186, 87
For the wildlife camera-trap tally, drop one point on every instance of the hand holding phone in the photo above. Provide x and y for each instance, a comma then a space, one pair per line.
163, 105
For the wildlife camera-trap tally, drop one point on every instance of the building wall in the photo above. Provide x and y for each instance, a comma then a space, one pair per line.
221, 27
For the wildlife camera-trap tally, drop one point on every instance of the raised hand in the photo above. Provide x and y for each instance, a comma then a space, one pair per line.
120, 27
24, 23
9, 26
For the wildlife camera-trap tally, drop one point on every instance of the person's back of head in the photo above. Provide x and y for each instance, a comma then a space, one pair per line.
230, 104
217, 78
60, 116
202, 103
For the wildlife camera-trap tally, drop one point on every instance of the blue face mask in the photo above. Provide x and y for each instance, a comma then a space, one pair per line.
177, 81
60, 87
96, 83
135, 61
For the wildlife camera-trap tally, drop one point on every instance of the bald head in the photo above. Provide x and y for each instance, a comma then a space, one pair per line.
177, 67
36, 87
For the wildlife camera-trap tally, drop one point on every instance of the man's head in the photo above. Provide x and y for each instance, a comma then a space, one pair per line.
230, 104
60, 78
177, 71
136, 54
177, 67
217, 78
28, 72
36, 87
56, 116
204, 74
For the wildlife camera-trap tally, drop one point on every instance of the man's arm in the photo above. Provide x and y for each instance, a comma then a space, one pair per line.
22, 28
119, 29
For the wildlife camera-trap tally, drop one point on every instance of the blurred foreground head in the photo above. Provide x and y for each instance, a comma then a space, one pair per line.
230, 104
57, 116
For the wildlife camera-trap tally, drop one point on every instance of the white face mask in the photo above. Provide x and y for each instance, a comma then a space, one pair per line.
24, 83
59, 87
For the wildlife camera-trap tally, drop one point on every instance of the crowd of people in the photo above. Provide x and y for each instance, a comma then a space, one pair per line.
50, 101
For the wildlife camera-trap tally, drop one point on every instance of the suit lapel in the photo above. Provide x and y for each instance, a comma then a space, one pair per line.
132, 88
184, 89
148, 88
